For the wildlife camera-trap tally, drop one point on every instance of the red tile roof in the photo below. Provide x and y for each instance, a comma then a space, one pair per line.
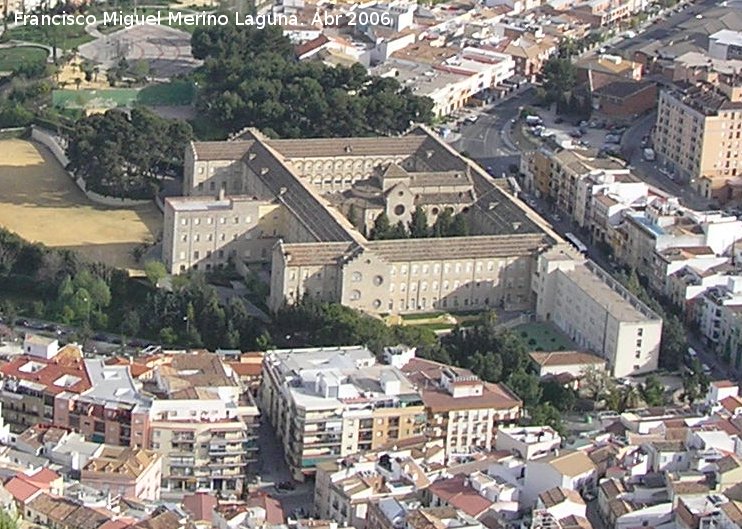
200, 505
457, 493
68, 361
21, 489
272, 507
120, 523
42, 478
426, 374
247, 369
731, 404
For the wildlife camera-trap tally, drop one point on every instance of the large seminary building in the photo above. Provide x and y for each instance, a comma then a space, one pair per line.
301, 208
287, 204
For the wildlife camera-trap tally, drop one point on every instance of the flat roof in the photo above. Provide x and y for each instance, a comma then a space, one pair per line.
607, 297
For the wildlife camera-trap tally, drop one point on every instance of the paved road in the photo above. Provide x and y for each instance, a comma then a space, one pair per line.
272, 469
663, 28
486, 142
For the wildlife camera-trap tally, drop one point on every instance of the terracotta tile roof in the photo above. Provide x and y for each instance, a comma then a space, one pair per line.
246, 369
733, 510
558, 495
723, 384
731, 404
136, 369
571, 463
562, 358
161, 518
458, 494
43, 478
56, 509
574, 522
220, 150
311, 45
119, 523
272, 507
65, 372
426, 374
200, 505
728, 463
121, 461
612, 487
21, 489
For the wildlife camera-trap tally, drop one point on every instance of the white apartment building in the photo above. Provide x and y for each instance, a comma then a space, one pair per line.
203, 425
347, 489
451, 82
327, 403
597, 312
528, 442
711, 304
568, 469
725, 44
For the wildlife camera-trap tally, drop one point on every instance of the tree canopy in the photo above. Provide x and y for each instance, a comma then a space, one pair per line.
123, 156
250, 78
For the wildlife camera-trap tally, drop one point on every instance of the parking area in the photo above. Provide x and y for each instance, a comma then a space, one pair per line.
598, 134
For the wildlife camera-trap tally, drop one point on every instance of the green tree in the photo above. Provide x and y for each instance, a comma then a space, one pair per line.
546, 414
558, 396
442, 224
7, 521
155, 271
131, 324
168, 336
695, 383
10, 313
250, 76
673, 344
653, 391
399, 231
459, 226
526, 386
382, 228
419, 224
596, 383
559, 79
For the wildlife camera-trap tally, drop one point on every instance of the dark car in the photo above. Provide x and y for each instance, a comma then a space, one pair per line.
99, 337
285, 485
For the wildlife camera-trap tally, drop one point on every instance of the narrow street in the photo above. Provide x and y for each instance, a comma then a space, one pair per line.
272, 469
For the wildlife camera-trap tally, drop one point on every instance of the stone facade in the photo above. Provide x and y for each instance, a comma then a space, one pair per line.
284, 203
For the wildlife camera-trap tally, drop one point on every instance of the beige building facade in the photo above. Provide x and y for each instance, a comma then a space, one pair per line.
327, 403
283, 203
597, 313
697, 135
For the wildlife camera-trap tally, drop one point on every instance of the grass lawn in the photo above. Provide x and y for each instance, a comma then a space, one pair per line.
12, 57
543, 337
106, 98
66, 37
167, 94
164, 94
423, 316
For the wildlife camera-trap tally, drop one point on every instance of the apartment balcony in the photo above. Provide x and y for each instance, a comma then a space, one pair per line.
226, 449
184, 437
182, 462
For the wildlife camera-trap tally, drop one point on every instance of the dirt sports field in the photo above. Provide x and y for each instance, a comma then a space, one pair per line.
42, 204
